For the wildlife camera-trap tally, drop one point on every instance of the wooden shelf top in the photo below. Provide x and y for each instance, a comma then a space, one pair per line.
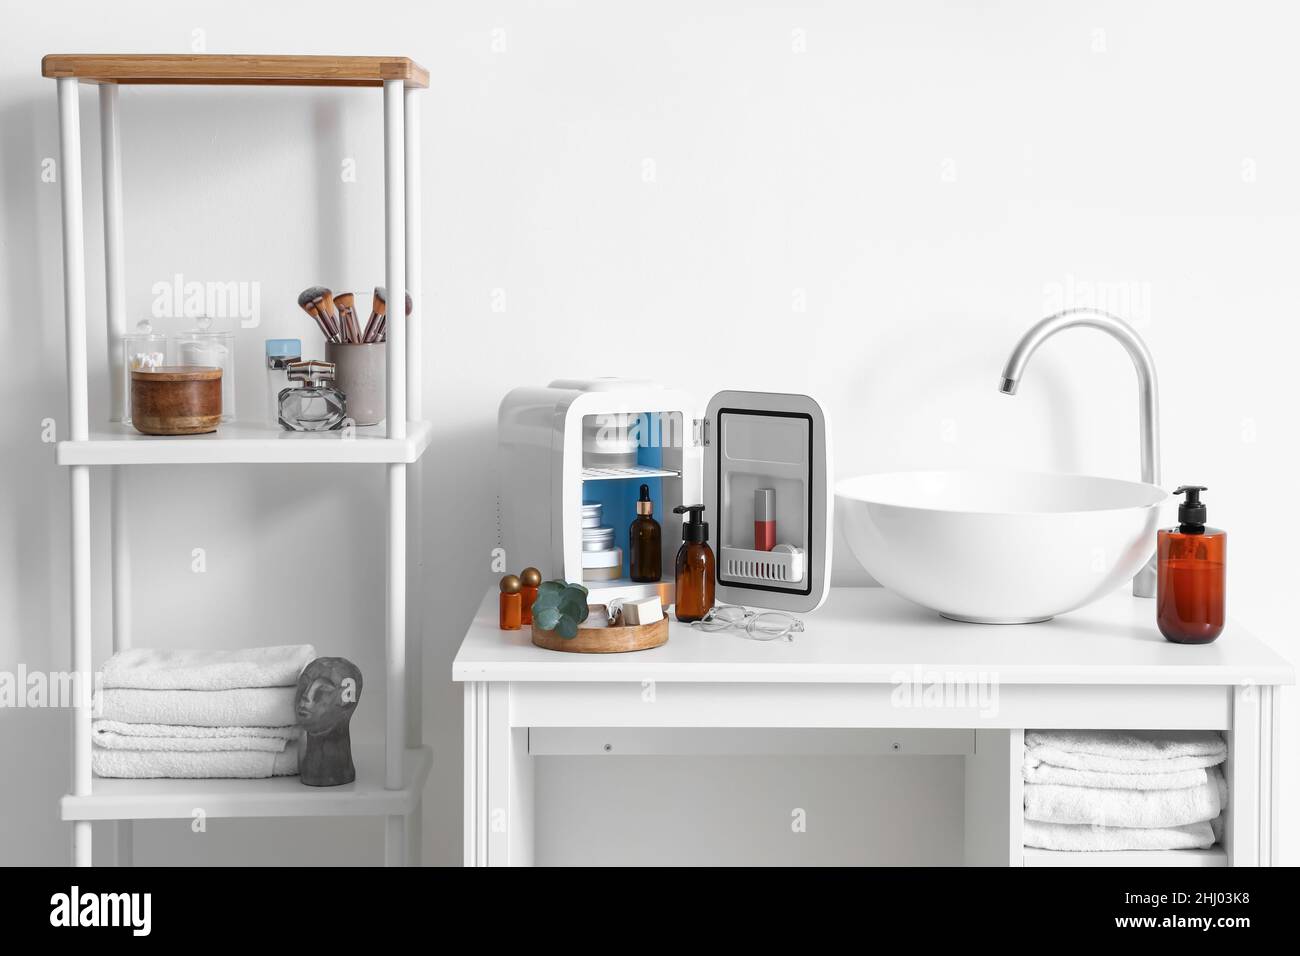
225, 70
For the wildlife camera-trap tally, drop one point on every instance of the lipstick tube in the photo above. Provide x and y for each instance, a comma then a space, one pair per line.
764, 519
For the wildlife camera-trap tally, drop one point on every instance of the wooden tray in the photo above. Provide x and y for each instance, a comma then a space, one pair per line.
605, 640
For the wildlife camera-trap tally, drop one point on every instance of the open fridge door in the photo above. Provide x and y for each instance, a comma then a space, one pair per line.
767, 468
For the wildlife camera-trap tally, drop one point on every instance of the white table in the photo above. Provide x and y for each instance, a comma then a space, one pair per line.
874, 674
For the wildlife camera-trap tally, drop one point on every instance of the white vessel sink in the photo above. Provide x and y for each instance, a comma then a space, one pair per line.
999, 547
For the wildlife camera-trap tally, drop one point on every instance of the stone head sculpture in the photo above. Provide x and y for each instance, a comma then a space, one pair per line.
328, 691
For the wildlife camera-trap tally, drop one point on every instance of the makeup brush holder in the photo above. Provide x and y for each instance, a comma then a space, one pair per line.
360, 373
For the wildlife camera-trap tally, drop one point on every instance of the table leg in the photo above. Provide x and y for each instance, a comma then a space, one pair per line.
1253, 769
994, 799
498, 781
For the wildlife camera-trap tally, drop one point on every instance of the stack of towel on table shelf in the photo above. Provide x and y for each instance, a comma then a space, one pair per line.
198, 713
1124, 790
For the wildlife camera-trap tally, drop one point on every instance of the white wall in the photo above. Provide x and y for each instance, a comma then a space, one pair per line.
868, 200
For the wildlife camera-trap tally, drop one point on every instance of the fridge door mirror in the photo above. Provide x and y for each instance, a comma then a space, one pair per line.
767, 498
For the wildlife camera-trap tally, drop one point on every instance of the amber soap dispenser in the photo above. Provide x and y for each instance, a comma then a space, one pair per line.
694, 566
1191, 574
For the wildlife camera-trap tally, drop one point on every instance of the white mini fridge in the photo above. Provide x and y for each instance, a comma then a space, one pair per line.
577, 443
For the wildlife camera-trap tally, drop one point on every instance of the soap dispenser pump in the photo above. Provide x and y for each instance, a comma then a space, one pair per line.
695, 577
1191, 574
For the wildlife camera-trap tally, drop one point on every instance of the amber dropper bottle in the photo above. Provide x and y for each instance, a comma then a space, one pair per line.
1191, 574
644, 542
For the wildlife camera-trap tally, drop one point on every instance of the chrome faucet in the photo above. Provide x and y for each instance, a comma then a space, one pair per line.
1144, 585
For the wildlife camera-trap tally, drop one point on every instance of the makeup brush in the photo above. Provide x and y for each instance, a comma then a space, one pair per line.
307, 300
381, 335
381, 329
331, 313
314, 311
378, 308
348, 317
330, 323
336, 333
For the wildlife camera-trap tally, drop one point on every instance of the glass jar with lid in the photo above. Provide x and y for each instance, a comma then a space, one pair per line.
206, 346
143, 349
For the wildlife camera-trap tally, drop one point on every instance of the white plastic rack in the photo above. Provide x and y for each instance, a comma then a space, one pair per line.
395, 791
632, 471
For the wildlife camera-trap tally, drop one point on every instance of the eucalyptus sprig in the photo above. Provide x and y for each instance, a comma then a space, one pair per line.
560, 607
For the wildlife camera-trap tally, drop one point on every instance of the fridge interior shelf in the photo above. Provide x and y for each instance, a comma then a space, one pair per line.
767, 567
632, 471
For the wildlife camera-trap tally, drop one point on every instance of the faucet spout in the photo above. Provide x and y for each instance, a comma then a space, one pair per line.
1144, 585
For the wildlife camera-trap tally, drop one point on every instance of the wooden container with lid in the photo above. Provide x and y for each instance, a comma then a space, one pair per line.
176, 400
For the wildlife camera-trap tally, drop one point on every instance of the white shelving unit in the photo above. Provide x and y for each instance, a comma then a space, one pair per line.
110, 447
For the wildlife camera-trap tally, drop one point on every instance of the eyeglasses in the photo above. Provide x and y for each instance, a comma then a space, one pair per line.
757, 625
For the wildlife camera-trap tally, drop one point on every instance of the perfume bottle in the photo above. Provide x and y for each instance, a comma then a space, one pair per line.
280, 354
530, 579
315, 405
511, 603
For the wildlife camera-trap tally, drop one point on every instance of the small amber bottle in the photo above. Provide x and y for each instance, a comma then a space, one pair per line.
695, 579
1191, 574
530, 579
645, 549
512, 605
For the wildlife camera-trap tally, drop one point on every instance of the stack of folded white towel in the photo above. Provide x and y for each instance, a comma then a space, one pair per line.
198, 713
1124, 790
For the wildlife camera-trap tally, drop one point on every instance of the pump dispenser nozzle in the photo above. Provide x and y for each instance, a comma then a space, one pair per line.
694, 528
1191, 513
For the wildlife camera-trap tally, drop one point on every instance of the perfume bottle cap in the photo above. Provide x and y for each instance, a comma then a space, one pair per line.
280, 352
312, 372
1191, 513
